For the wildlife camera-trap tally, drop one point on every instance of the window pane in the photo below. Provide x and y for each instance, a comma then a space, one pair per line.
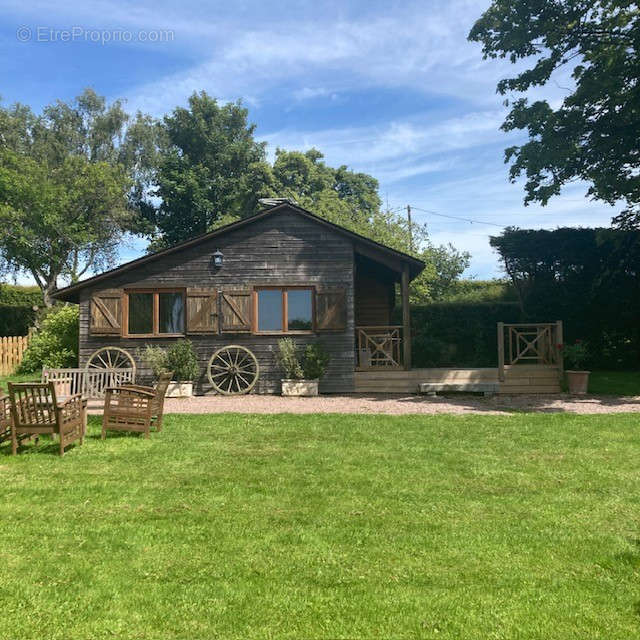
140, 313
171, 313
299, 310
269, 310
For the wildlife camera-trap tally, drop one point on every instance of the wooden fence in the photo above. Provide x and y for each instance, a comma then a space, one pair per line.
11, 350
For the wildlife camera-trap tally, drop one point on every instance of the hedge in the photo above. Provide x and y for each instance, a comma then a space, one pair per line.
17, 295
17, 308
15, 320
458, 334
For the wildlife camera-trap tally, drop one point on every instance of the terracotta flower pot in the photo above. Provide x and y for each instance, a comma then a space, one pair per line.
578, 381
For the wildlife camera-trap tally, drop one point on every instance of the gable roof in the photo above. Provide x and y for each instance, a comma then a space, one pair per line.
372, 249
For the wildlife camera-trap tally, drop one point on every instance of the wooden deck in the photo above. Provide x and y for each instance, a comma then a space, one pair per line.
532, 378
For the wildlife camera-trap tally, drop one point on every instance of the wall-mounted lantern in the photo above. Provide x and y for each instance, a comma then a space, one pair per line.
217, 258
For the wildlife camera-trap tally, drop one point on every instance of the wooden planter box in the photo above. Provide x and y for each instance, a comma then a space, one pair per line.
300, 388
179, 390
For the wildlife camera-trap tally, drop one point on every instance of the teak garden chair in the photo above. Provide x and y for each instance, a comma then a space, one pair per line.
5, 418
134, 407
35, 410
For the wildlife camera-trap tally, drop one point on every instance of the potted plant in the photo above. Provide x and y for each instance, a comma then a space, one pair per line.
302, 373
575, 355
180, 358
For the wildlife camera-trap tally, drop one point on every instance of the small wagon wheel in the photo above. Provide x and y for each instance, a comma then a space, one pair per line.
233, 370
111, 358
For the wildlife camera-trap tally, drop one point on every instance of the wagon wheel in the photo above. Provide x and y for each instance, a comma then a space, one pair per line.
233, 370
111, 358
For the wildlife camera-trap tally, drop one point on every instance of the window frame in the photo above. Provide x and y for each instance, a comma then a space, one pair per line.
155, 313
285, 309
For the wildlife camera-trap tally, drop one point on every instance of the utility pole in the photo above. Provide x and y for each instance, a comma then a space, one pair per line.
410, 227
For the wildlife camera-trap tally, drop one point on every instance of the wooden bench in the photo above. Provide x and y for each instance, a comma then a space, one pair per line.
432, 388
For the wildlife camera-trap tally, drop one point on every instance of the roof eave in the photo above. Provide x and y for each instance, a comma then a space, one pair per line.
70, 293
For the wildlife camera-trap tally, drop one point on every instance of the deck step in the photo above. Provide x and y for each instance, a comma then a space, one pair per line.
518, 379
431, 388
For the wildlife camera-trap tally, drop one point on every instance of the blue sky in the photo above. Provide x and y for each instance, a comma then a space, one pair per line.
390, 88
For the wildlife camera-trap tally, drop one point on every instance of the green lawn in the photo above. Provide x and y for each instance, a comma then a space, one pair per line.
238, 526
615, 383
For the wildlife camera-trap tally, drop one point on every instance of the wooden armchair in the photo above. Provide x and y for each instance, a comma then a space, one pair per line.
5, 418
135, 407
35, 410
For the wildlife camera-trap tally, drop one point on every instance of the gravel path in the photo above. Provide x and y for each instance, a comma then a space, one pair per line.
398, 404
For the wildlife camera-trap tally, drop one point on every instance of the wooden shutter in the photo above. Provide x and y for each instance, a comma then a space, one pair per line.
235, 311
106, 313
331, 310
202, 311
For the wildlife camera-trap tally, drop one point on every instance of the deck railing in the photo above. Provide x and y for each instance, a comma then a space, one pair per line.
534, 343
379, 347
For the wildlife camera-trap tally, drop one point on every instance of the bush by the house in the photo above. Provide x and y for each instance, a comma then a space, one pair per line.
288, 359
315, 361
309, 363
182, 360
56, 342
156, 358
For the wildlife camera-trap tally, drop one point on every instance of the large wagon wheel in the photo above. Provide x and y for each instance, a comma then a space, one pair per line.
111, 358
233, 370
107, 361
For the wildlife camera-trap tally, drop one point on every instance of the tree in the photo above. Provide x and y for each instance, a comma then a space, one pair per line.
210, 168
351, 200
586, 277
61, 220
592, 134
72, 182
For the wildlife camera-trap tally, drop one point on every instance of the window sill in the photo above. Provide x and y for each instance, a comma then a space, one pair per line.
153, 335
310, 332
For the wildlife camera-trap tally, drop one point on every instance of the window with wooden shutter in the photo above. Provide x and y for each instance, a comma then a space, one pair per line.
331, 310
106, 313
235, 311
202, 311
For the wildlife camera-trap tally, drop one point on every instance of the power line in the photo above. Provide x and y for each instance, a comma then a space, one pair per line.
471, 221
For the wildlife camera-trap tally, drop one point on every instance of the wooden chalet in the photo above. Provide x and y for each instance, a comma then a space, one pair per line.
281, 272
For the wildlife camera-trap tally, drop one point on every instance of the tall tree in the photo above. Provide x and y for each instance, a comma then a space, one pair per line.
59, 220
210, 169
351, 200
71, 184
593, 134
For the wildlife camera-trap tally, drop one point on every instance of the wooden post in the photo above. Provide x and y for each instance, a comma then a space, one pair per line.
501, 351
559, 350
406, 319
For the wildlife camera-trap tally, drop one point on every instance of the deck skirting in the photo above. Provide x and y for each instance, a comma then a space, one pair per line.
518, 379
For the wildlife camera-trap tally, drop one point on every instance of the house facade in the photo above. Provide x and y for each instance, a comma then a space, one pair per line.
282, 272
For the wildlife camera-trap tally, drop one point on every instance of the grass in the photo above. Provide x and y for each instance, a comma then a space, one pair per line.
615, 383
332, 526
17, 377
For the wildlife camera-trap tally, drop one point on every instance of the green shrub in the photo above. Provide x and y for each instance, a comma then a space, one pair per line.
289, 360
182, 360
575, 355
315, 361
156, 358
56, 343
